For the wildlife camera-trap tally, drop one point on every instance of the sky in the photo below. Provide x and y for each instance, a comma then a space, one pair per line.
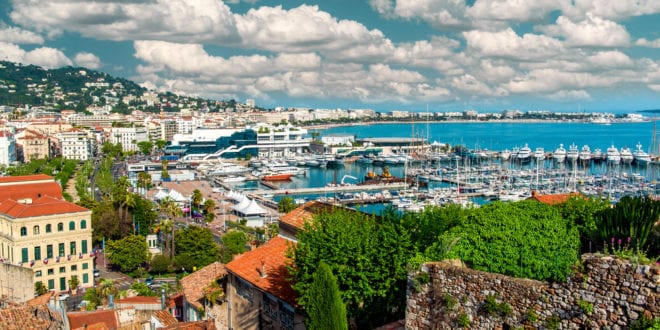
440, 55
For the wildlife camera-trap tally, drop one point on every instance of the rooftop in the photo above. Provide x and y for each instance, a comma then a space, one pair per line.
30, 317
100, 319
44, 205
553, 199
193, 285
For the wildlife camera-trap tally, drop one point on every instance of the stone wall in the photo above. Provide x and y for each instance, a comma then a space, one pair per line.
608, 293
16, 283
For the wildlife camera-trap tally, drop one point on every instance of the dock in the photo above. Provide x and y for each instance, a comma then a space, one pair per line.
330, 189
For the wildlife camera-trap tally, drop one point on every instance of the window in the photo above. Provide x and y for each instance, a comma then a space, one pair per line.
51, 284
72, 225
83, 246
60, 227
244, 289
60, 249
37, 252
49, 228
62, 269
24, 255
51, 271
270, 306
49, 251
85, 265
85, 278
23, 231
35, 230
72, 248
286, 316
37, 273
74, 268
83, 224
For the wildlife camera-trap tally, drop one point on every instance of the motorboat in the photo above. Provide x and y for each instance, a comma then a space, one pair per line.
640, 156
539, 154
626, 155
585, 154
573, 153
613, 156
505, 154
560, 154
524, 154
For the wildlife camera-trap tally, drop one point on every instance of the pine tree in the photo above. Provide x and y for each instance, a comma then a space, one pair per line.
325, 310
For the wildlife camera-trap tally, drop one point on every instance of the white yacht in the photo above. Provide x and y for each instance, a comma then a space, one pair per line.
597, 155
585, 154
573, 153
641, 157
560, 154
539, 154
505, 154
613, 155
524, 154
626, 155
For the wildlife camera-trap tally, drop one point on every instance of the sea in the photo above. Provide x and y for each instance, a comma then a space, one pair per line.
494, 136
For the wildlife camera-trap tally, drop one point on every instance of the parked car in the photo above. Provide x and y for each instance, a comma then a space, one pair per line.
149, 281
97, 273
63, 296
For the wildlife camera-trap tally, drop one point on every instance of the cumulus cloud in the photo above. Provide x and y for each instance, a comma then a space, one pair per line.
46, 57
508, 44
615, 10
16, 35
87, 60
512, 10
570, 96
648, 43
593, 31
441, 14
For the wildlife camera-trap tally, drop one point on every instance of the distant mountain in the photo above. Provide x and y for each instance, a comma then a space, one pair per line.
650, 111
63, 87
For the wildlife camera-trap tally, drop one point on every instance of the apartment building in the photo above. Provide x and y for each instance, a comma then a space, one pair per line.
7, 148
76, 144
129, 137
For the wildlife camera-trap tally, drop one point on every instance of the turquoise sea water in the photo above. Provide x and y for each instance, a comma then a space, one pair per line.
492, 136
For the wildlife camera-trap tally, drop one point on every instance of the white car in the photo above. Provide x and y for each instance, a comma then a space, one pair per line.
64, 296
97, 273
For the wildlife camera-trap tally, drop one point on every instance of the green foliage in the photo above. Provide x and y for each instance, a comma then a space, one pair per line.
494, 308
196, 246
526, 239
74, 282
463, 320
553, 322
632, 217
233, 243
644, 322
531, 316
450, 302
367, 256
286, 204
142, 289
159, 264
128, 253
40, 288
326, 310
145, 147
93, 298
420, 279
586, 307
425, 227
584, 213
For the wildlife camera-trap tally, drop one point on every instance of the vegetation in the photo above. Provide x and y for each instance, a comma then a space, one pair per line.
631, 217
586, 307
195, 247
128, 253
286, 204
463, 320
325, 310
40, 288
233, 243
160, 264
494, 308
142, 289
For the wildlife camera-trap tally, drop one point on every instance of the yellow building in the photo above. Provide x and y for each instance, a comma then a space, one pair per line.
41, 231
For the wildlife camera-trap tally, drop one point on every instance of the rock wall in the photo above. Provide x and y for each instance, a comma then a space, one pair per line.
608, 293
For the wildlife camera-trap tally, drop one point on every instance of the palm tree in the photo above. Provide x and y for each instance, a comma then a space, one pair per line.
170, 207
106, 288
166, 226
196, 197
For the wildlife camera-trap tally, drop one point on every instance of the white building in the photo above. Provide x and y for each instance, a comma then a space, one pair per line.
129, 137
76, 144
7, 148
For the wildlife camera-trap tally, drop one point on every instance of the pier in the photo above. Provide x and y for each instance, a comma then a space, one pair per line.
330, 189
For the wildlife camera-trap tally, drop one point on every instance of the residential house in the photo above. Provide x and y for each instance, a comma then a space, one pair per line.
35, 145
554, 198
198, 287
30, 317
41, 231
76, 144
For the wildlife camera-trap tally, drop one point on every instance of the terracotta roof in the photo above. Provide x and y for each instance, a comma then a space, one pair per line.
139, 300
165, 318
272, 256
41, 300
23, 178
553, 199
45, 205
197, 325
193, 285
100, 319
30, 317
302, 213
29, 190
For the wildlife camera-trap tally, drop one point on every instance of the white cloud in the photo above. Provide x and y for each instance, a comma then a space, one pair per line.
570, 96
593, 31
512, 10
16, 35
508, 44
87, 60
552, 80
609, 59
46, 57
615, 10
449, 13
648, 43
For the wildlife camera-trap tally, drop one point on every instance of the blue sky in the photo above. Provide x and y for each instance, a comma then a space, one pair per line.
449, 55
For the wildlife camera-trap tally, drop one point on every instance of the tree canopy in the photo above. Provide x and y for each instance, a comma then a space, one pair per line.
326, 310
196, 247
128, 253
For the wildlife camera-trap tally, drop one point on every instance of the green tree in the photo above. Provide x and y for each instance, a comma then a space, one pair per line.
209, 207
105, 288
584, 213
631, 217
160, 145
326, 310
144, 215
286, 204
196, 198
145, 147
142, 289
368, 257
196, 245
425, 227
40, 288
74, 283
172, 209
159, 264
128, 253
233, 243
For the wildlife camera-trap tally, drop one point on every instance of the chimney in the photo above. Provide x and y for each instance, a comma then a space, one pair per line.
263, 267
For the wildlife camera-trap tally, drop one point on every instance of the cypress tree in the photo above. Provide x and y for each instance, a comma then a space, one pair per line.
325, 310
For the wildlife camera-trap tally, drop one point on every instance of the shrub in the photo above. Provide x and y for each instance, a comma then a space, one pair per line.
493, 308
463, 320
450, 301
586, 307
531, 316
526, 239
553, 322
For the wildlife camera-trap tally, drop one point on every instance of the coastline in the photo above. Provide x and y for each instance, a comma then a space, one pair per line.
459, 121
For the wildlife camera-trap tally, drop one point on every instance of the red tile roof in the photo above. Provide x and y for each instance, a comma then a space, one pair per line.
165, 318
553, 199
305, 212
193, 285
30, 190
139, 300
24, 178
101, 319
30, 317
196, 325
41, 300
272, 256
45, 205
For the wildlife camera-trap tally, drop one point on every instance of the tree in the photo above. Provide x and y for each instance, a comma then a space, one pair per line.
325, 310
368, 257
105, 288
631, 218
159, 264
170, 207
160, 144
196, 246
286, 204
233, 243
584, 213
145, 147
196, 198
128, 253
209, 207
142, 289
74, 283
40, 288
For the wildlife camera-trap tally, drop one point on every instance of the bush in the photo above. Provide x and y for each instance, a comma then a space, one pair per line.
463, 320
526, 239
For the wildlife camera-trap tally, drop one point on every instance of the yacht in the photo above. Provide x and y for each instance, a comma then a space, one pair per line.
539, 154
597, 155
573, 153
560, 154
505, 154
641, 157
585, 154
613, 155
524, 154
626, 155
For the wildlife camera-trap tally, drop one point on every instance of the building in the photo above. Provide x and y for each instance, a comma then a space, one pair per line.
76, 144
41, 231
129, 137
7, 148
35, 145
209, 281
